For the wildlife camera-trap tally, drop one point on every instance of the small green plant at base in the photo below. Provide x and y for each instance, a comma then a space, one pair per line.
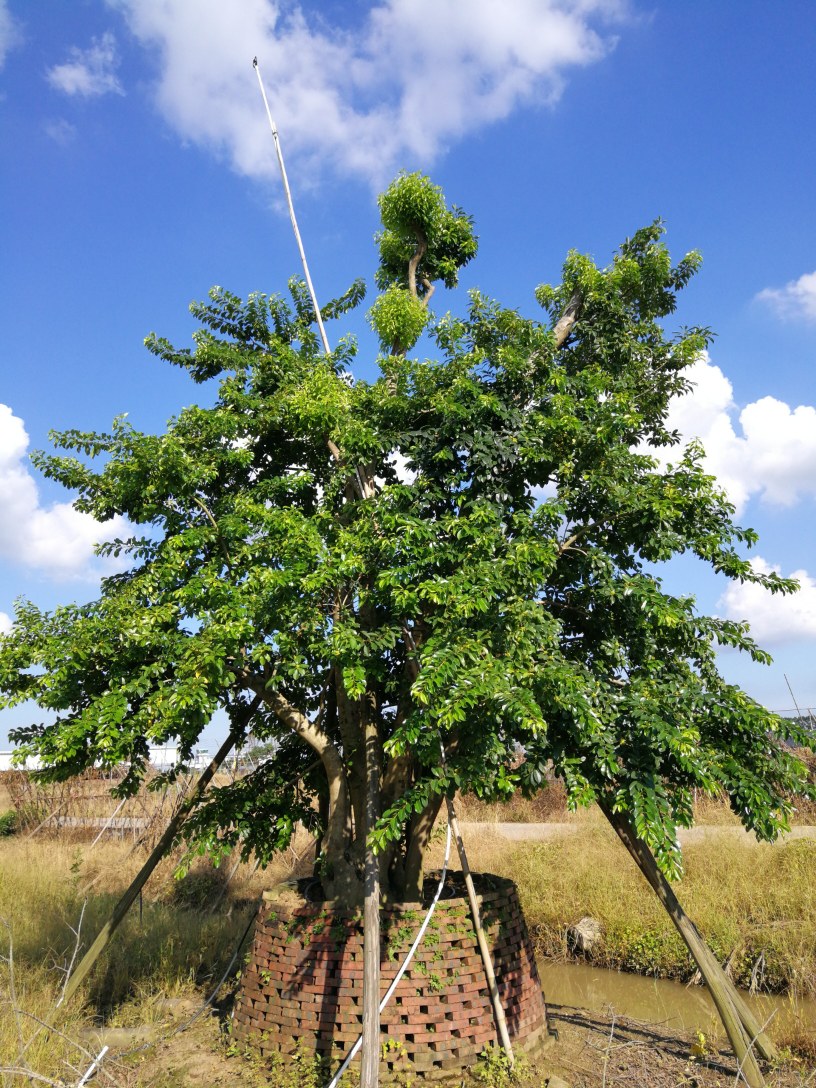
392, 1049
701, 1046
399, 939
8, 823
300, 1069
339, 933
494, 1070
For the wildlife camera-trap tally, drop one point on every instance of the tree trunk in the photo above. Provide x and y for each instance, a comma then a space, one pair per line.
340, 873
730, 1006
409, 882
351, 736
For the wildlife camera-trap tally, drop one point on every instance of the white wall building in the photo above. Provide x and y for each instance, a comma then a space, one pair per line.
162, 758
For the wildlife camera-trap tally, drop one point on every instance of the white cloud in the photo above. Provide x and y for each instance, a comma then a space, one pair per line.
60, 131
394, 90
796, 299
773, 618
767, 449
54, 539
405, 475
5, 622
9, 33
89, 72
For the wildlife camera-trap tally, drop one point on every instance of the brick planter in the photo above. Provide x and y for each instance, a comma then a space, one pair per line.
303, 984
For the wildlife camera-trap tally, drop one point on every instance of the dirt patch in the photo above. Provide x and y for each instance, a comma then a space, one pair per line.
592, 1050
595, 1049
181, 1048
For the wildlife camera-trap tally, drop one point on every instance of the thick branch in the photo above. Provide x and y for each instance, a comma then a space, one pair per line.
413, 264
348, 722
396, 778
316, 738
420, 828
209, 516
411, 663
568, 543
567, 319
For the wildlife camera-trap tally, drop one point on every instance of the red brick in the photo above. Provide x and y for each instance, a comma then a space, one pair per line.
312, 984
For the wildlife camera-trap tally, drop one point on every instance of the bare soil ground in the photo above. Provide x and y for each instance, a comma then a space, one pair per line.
601, 1051
592, 1050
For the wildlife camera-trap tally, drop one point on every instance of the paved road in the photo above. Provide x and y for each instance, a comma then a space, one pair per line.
542, 832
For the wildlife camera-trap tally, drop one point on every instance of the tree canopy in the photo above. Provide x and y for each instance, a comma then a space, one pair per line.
464, 553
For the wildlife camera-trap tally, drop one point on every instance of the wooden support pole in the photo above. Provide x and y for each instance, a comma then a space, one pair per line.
721, 989
764, 1045
50, 816
492, 985
105, 934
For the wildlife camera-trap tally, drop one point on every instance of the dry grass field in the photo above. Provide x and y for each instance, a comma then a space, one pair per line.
755, 904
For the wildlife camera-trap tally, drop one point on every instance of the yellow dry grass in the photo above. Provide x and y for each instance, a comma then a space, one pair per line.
173, 943
757, 902
753, 902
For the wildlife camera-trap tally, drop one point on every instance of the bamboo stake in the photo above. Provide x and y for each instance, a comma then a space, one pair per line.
222, 893
721, 989
490, 974
107, 824
291, 206
492, 985
370, 1064
50, 816
764, 1045
105, 934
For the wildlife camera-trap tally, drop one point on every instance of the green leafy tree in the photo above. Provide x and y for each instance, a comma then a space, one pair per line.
462, 557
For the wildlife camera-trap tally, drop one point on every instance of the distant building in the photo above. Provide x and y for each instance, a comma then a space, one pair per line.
29, 765
168, 756
162, 758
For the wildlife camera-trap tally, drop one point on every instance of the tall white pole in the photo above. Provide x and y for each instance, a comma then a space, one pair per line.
370, 1063
288, 192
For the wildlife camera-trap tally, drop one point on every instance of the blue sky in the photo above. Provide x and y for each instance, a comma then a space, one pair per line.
138, 171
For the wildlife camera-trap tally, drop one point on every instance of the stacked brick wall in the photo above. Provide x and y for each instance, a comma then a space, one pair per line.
303, 984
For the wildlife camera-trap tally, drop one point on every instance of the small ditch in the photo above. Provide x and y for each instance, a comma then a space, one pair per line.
679, 1007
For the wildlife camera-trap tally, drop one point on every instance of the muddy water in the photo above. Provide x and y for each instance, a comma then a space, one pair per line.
686, 1008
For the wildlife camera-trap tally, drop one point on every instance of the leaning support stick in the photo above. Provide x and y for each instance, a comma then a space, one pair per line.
490, 974
492, 985
744, 1031
291, 207
161, 848
370, 1061
371, 906
765, 1047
